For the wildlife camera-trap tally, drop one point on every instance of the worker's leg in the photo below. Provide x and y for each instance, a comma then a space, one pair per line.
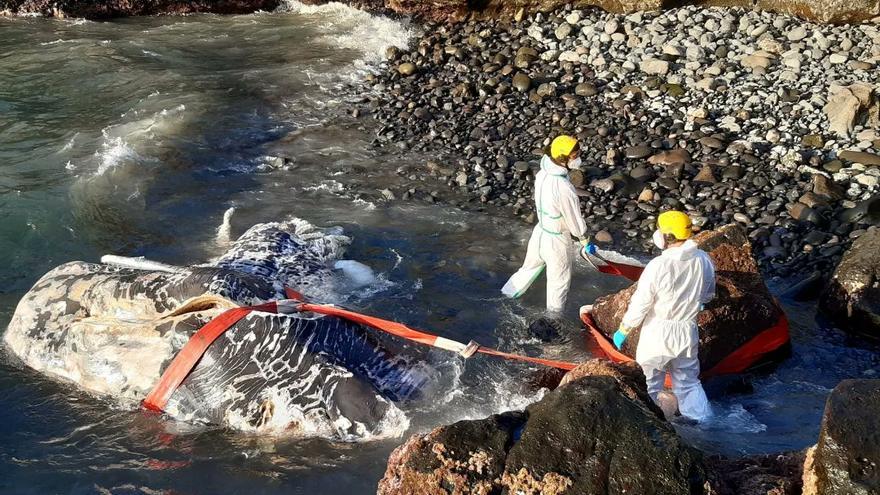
556, 252
655, 378
532, 266
692, 401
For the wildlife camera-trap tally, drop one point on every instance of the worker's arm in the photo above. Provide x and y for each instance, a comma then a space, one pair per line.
708, 281
642, 299
570, 207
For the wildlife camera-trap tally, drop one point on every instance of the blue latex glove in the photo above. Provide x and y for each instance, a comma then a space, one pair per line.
619, 338
590, 248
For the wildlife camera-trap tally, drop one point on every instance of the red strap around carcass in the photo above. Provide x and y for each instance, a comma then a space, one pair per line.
413, 335
738, 361
192, 351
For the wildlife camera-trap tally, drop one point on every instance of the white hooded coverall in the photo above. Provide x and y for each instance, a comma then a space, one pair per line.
669, 295
559, 216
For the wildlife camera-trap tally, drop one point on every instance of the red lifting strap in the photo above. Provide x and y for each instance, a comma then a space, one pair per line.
413, 335
738, 361
190, 354
195, 348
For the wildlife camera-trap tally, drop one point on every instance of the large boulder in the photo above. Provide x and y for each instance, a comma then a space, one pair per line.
742, 308
849, 106
846, 460
852, 297
597, 433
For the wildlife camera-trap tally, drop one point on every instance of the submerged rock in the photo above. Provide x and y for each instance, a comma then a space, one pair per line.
598, 433
852, 298
845, 460
743, 306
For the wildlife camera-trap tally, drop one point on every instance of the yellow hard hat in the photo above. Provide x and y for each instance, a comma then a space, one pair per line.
562, 146
676, 223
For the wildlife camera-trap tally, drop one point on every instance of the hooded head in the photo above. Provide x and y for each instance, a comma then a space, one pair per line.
673, 227
565, 152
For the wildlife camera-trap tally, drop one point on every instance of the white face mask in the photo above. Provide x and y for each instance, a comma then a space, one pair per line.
659, 240
576, 163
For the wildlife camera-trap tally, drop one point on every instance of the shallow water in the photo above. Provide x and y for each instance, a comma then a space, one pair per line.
134, 137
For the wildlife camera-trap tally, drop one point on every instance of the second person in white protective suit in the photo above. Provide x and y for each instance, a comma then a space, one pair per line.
559, 217
670, 293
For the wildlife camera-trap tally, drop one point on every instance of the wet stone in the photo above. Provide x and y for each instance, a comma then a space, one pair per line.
406, 69
860, 157
639, 151
733, 172
833, 166
522, 82
712, 142
585, 89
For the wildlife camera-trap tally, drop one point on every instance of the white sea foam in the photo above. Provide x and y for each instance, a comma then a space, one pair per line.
358, 273
125, 143
355, 29
114, 152
326, 185
225, 228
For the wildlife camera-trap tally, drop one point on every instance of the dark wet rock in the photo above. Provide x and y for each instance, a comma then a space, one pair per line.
639, 151
867, 211
812, 200
732, 173
641, 173
804, 213
465, 457
826, 188
852, 297
742, 308
769, 474
846, 459
546, 329
597, 433
522, 82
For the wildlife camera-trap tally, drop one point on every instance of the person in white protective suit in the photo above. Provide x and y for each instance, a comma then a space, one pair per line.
670, 293
559, 217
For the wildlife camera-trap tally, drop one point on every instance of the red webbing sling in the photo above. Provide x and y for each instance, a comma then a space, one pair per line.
195, 348
737, 361
192, 351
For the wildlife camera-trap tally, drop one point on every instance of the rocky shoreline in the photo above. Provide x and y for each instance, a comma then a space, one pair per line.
736, 116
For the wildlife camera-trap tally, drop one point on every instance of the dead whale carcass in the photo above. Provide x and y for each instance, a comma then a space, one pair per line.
113, 331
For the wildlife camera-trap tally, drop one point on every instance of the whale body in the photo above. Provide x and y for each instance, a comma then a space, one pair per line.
113, 331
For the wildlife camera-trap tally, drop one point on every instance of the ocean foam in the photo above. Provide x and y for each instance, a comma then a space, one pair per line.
358, 30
